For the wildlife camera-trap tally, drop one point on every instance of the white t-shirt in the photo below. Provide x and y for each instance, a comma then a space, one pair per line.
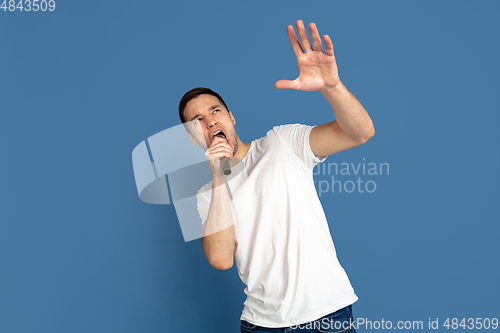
285, 253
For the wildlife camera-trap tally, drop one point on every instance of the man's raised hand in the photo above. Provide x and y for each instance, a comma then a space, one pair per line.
317, 69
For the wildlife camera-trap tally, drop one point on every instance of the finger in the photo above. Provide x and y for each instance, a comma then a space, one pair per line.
287, 84
217, 140
315, 37
304, 39
220, 154
297, 49
222, 146
328, 45
211, 155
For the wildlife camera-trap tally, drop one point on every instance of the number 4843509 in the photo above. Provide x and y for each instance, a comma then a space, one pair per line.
470, 323
28, 5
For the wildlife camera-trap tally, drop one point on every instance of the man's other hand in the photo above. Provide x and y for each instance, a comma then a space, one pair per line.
317, 69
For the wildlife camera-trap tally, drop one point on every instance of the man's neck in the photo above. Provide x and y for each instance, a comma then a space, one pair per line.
242, 150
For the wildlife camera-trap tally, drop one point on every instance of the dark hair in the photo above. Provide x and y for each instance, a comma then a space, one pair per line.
192, 94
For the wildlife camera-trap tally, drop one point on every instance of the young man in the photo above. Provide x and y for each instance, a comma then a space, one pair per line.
268, 216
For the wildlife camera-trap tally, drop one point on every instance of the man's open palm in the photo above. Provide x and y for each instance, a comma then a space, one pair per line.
317, 69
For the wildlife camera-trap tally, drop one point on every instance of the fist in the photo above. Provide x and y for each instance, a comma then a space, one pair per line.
218, 149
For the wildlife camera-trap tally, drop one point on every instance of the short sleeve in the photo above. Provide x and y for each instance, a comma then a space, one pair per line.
203, 198
296, 138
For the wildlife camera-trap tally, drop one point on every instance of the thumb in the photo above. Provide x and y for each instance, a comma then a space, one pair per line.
286, 84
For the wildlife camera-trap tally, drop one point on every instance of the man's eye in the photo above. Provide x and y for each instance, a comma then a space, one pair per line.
216, 111
197, 120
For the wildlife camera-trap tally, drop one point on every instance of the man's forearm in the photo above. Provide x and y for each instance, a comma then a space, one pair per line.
349, 114
218, 230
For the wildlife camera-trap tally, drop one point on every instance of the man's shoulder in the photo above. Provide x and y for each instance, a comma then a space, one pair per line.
288, 132
287, 128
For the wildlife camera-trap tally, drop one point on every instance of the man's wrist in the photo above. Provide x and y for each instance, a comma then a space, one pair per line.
219, 179
335, 90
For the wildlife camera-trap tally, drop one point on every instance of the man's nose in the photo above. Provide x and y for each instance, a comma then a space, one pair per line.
211, 121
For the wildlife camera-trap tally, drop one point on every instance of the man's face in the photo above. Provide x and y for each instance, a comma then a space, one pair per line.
206, 117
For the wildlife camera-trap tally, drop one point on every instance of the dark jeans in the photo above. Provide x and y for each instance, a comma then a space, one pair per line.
340, 321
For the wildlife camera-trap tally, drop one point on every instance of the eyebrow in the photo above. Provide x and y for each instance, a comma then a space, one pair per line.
210, 108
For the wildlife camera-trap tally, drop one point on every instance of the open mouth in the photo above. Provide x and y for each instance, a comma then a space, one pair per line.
220, 133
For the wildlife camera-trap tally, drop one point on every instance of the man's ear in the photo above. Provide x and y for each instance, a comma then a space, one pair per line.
232, 118
193, 140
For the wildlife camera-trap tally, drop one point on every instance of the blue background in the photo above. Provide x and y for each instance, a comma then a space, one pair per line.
80, 87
